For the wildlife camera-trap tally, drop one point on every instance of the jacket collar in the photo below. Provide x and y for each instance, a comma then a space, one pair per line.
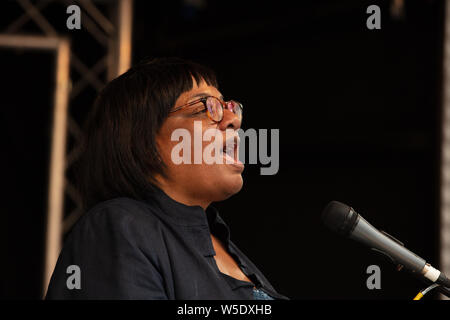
199, 223
178, 212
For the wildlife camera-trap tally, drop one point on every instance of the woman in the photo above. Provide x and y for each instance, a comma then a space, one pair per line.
150, 232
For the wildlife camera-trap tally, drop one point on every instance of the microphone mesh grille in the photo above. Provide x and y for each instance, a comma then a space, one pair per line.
339, 217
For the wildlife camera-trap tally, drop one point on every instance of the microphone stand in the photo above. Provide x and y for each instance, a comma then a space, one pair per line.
444, 290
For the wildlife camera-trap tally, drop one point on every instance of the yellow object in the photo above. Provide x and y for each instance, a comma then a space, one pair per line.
419, 296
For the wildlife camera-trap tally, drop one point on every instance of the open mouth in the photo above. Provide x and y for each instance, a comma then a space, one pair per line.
230, 151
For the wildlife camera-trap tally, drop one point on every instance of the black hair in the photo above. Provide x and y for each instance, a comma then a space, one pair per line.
120, 156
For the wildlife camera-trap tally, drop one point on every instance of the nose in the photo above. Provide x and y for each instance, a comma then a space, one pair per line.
229, 121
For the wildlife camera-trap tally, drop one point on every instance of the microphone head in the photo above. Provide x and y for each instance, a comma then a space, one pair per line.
340, 218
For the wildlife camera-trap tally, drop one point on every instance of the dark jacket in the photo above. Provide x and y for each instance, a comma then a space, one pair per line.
152, 249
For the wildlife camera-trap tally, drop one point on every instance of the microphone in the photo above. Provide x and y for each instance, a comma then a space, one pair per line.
345, 221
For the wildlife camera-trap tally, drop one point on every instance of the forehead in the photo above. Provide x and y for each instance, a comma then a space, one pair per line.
197, 91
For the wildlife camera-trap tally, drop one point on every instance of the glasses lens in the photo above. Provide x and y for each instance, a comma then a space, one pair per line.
215, 111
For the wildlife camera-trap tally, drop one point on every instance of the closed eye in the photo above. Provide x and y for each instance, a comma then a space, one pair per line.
199, 111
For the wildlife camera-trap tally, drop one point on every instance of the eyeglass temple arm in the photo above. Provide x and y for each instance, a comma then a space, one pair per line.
188, 104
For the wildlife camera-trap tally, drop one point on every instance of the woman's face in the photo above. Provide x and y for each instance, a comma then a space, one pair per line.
200, 184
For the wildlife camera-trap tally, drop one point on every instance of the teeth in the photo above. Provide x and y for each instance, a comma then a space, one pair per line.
230, 151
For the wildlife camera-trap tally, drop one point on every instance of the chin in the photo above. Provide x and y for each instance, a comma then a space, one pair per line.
230, 186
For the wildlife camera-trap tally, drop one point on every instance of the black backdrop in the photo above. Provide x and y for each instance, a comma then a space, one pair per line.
359, 117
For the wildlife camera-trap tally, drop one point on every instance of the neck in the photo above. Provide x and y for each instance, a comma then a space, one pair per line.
181, 196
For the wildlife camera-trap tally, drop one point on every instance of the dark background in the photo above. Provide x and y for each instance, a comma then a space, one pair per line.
359, 117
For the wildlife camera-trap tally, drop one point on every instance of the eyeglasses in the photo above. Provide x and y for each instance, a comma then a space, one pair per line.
214, 107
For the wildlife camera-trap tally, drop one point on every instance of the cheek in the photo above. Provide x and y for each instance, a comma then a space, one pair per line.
166, 145
203, 173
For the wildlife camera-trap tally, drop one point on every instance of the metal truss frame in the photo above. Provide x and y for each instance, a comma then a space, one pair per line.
114, 34
445, 152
